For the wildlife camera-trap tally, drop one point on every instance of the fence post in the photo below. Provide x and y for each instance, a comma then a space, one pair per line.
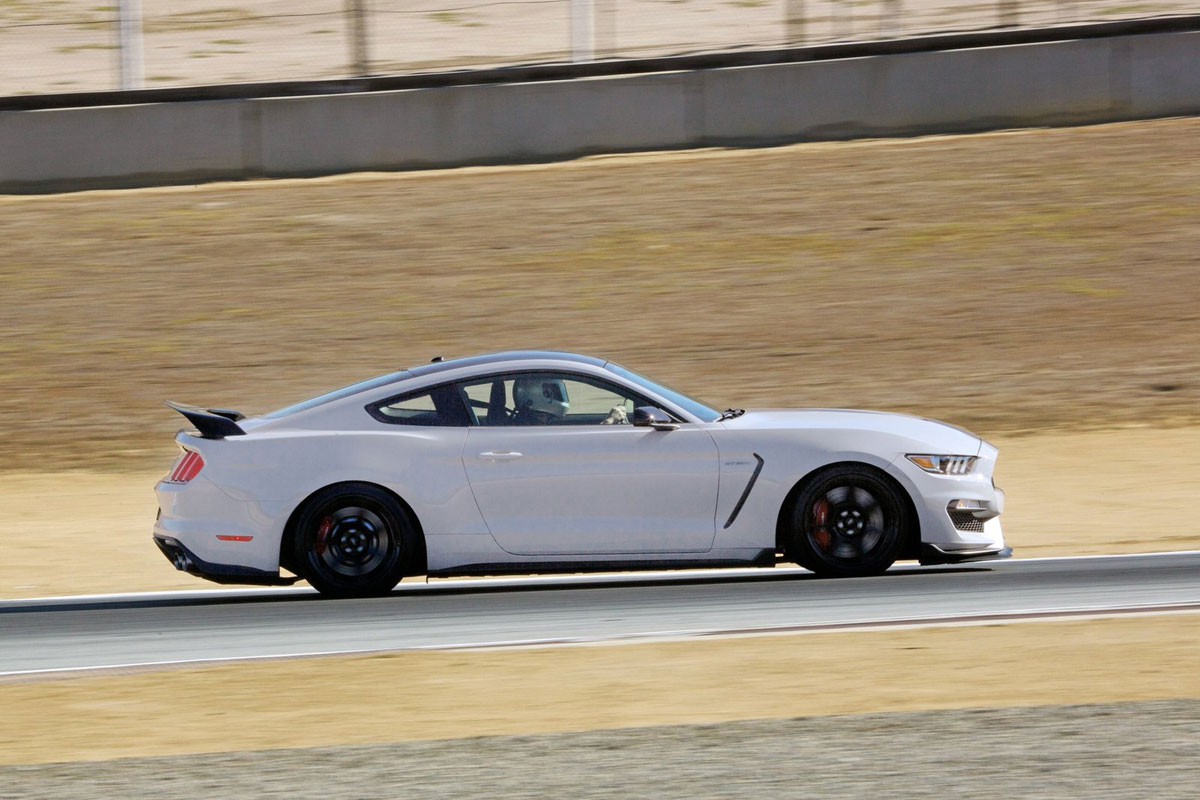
889, 17
360, 58
129, 44
793, 22
843, 20
606, 28
583, 30
1008, 13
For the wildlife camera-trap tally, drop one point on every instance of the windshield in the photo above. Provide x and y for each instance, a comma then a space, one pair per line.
338, 394
688, 404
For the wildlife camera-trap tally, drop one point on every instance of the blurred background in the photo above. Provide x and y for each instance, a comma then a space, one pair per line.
1039, 286
80, 45
1008, 283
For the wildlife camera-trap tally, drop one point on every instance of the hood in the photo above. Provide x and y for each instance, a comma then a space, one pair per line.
933, 434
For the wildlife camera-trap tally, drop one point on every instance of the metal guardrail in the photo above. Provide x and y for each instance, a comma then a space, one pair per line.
570, 71
71, 46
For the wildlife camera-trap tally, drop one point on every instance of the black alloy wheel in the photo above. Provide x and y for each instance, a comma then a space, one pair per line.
848, 521
354, 540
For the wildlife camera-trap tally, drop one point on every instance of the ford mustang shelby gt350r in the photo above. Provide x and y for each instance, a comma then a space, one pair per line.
527, 462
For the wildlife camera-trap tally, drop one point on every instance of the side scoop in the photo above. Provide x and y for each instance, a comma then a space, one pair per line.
212, 423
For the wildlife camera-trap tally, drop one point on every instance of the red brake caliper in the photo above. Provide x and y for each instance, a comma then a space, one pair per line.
820, 514
323, 534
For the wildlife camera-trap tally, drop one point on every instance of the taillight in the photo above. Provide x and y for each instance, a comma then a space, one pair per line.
187, 467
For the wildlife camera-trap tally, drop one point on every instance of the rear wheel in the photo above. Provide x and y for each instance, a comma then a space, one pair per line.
848, 521
353, 540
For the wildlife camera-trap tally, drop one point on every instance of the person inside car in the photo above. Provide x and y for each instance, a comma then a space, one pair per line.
539, 401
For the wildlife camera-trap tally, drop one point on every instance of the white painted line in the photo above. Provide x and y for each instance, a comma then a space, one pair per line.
522, 580
1025, 616
447, 583
525, 579
184, 594
1093, 557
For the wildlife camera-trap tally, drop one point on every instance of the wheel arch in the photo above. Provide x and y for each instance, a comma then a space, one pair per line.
286, 542
912, 545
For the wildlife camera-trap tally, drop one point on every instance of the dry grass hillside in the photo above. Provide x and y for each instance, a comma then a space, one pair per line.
1005, 282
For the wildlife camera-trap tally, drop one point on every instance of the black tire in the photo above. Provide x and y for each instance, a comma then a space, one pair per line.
353, 540
848, 521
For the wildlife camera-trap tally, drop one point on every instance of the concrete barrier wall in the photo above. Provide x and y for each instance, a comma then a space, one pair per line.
121, 145
471, 124
1096, 80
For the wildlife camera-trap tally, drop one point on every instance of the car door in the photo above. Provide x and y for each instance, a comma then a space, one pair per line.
585, 482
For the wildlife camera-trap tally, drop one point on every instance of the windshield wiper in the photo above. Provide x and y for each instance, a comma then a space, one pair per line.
730, 413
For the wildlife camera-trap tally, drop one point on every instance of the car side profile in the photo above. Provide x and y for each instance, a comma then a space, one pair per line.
539, 461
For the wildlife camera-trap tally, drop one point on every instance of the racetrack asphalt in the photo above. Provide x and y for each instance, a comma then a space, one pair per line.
123, 631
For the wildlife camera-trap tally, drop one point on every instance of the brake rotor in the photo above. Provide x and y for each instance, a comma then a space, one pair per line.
820, 516
323, 534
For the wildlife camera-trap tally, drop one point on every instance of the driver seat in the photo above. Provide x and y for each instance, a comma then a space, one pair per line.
496, 412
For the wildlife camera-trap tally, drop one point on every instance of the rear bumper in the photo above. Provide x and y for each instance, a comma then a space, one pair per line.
219, 529
932, 554
187, 561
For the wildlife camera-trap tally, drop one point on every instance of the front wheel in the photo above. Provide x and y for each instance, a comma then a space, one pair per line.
849, 521
353, 540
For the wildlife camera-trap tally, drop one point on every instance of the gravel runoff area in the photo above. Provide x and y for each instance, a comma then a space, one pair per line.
1123, 750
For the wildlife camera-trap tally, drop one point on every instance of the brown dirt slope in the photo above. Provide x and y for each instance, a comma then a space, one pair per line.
1004, 282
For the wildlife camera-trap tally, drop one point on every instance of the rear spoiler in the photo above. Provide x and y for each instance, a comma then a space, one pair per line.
213, 423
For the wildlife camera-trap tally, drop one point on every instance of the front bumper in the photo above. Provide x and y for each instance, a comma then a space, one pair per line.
932, 554
187, 561
972, 534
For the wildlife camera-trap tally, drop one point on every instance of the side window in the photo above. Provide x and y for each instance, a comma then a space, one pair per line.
592, 404
489, 401
548, 398
439, 406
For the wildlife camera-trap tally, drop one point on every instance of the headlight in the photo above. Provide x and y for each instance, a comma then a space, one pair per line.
944, 465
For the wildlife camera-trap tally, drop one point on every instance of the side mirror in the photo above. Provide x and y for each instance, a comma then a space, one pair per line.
651, 417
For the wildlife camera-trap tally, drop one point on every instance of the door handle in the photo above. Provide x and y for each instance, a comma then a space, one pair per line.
507, 456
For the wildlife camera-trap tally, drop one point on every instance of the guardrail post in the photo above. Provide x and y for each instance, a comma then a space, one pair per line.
793, 21
129, 45
583, 30
360, 58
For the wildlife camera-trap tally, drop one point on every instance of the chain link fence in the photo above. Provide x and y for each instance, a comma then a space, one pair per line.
52, 46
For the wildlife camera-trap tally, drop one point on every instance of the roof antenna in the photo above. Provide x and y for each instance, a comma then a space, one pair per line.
436, 360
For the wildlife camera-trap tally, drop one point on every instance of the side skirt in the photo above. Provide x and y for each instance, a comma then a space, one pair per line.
764, 558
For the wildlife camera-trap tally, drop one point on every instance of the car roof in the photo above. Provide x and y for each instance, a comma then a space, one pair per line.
435, 367
396, 381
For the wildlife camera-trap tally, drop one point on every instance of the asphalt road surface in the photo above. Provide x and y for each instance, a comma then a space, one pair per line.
117, 631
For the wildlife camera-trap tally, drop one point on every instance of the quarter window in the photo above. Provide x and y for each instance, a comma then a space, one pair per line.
440, 406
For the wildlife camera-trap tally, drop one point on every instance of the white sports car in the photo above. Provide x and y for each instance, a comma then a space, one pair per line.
527, 462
